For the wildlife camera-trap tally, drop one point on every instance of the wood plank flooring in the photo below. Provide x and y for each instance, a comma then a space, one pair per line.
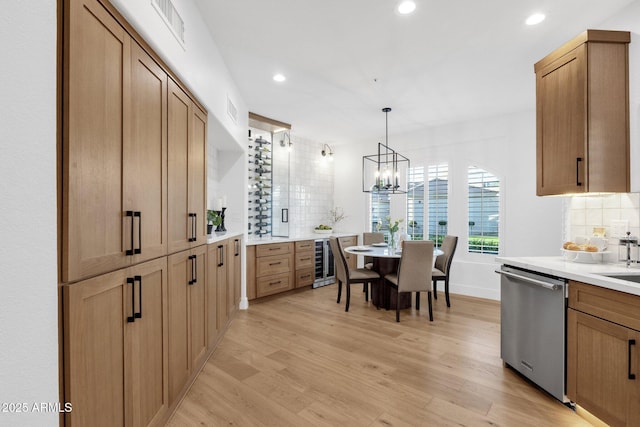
300, 360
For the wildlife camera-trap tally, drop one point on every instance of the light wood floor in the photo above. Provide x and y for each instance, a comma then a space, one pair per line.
300, 360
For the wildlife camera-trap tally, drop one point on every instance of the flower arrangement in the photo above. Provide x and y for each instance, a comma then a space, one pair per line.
393, 227
336, 215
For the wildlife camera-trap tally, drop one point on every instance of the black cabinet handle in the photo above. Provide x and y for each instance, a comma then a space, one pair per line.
139, 215
192, 219
129, 214
138, 279
631, 376
132, 318
237, 247
193, 269
195, 227
220, 255
578, 160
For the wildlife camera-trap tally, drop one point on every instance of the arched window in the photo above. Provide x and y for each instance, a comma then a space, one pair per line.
484, 211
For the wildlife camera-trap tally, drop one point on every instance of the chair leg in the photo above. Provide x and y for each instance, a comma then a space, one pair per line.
417, 300
430, 307
446, 291
348, 285
435, 289
366, 291
398, 307
379, 285
339, 291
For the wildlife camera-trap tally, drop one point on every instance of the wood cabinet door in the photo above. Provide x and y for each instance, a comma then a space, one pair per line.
561, 117
180, 269
93, 236
222, 260
95, 318
237, 275
600, 357
179, 221
145, 156
198, 174
198, 306
212, 295
148, 343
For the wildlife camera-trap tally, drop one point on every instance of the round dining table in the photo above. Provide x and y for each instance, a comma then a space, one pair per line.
385, 261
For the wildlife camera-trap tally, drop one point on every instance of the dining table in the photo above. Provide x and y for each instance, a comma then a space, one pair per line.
385, 261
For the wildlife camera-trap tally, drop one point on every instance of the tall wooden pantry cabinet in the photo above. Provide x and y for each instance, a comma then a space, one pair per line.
135, 294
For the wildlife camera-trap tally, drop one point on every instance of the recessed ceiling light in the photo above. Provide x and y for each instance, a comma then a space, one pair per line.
535, 19
406, 7
279, 78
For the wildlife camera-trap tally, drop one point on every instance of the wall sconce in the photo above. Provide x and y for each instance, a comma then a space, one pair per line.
327, 151
288, 144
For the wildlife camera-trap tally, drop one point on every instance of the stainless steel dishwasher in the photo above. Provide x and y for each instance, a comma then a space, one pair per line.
533, 327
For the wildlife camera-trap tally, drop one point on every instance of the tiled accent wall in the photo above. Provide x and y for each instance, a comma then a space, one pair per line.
311, 186
583, 213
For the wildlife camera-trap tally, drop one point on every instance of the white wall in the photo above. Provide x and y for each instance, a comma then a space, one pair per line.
28, 270
505, 146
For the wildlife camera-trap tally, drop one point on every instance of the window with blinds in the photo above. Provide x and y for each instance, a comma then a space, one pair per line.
380, 209
438, 176
484, 211
415, 203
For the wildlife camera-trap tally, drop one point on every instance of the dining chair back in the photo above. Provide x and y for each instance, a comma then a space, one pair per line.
442, 267
414, 272
369, 239
347, 275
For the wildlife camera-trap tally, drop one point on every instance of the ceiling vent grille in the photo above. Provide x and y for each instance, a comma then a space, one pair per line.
171, 17
232, 111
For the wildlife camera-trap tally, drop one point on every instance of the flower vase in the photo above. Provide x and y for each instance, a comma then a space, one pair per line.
392, 241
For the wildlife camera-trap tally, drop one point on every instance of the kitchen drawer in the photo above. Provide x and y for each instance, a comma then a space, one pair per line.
273, 284
267, 266
304, 260
304, 277
273, 249
305, 246
615, 306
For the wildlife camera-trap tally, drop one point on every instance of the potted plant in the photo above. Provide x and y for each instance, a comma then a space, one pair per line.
213, 218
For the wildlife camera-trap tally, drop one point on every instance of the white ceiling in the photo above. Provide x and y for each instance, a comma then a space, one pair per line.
450, 61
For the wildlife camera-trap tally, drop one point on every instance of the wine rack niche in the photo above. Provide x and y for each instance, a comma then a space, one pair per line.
260, 179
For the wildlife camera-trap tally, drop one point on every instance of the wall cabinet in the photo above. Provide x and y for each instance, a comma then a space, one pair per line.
187, 142
187, 316
114, 149
602, 356
582, 115
115, 360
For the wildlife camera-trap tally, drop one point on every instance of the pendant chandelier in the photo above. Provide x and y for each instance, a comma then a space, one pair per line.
387, 171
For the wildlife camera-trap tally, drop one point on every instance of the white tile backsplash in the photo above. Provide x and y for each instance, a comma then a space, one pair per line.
582, 213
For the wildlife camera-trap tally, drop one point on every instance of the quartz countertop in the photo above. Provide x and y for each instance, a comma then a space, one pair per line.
593, 274
310, 236
213, 238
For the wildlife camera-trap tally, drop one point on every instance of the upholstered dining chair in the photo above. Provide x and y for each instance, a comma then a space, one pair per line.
368, 239
347, 275
414, 272
442, 266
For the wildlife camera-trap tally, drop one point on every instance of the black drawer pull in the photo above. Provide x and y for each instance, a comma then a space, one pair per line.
193, 280
275, 283
139, 215
138, 279
578, 160
275, 263
631, 376
305, 276
129, 214
220, 255
132, 318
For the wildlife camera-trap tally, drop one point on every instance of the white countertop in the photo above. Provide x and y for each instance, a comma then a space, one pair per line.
586, 273
311, 236
213, 238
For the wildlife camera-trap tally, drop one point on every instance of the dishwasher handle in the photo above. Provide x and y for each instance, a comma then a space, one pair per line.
550, 286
